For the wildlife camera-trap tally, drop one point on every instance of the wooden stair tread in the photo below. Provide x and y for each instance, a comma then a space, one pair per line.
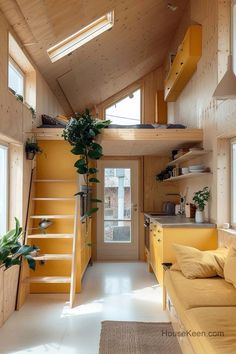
50, 236
52, 216
54, 180
55, 199
52, 257
49, 279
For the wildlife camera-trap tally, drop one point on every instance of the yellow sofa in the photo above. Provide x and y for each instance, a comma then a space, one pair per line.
203, 311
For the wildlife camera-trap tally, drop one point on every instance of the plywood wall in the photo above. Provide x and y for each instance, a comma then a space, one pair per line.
196, 107
16, 119
150, 84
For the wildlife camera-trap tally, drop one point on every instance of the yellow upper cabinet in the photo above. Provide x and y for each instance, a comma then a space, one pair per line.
185, 63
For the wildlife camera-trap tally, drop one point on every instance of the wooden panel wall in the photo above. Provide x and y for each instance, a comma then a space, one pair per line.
150, 84
17, 119
196, 107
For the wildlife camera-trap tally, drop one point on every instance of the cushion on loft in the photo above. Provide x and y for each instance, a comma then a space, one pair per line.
200, 264
50, 122
230, 267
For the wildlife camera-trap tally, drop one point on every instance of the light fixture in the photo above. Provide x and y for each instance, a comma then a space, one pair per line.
86, 34
226, 88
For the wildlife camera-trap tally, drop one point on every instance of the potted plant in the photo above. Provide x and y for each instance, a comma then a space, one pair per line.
11, 254
81, 132
200, 199
32, 148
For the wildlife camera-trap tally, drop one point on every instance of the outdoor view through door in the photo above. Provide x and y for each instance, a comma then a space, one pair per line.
117, 221
117, 205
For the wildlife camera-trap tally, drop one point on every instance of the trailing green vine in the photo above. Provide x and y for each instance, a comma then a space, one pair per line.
81, 132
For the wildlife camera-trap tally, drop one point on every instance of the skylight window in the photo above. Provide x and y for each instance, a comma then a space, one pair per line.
81, 37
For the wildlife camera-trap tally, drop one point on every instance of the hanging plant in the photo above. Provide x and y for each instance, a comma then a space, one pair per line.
81, 132
32, 148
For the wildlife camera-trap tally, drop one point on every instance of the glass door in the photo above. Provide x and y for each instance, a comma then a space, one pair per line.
117, 218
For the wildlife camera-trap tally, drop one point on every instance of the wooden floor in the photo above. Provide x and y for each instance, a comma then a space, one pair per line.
112, 291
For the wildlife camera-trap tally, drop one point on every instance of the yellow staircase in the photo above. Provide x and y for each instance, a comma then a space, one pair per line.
65, 248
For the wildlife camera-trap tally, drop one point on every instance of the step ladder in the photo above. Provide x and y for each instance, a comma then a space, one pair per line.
71, 279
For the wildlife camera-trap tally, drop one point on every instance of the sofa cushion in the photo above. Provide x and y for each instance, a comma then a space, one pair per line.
230, 267
190, 293
216, 327
200, 264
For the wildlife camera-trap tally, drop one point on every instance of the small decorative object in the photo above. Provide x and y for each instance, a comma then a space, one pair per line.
32, 148
200, 199
33, 112
12, 251
81, 132
165, 174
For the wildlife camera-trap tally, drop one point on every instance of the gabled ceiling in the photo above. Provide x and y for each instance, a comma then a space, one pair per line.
137, 43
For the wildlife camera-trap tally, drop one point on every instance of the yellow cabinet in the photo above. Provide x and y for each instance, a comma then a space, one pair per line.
185, 63
162, 239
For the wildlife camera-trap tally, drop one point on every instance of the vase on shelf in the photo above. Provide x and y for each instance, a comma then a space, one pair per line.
199, 216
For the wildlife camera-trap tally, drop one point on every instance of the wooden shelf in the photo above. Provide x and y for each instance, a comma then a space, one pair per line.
44, 236
189, 175
52, 216
188, 156
54, 199
54, 280
54, 180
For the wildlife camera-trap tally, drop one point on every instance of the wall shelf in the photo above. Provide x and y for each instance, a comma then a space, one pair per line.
188, 156
188, 175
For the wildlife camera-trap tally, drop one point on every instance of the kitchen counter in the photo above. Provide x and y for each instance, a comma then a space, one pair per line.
178, 221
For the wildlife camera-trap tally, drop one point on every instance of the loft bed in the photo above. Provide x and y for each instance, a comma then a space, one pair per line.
135, 141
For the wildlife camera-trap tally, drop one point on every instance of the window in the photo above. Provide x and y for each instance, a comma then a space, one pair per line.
233, 31
127, 110
81, 37
233, 183
3, 189
15, 77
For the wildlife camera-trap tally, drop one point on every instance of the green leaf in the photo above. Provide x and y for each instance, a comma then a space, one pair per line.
82, 170
94, 200
78, 150
92, 170
89, 213
80, 163
95, 154
31, 262
94, 180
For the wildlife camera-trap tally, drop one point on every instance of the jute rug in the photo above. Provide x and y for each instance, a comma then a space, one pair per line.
119, 337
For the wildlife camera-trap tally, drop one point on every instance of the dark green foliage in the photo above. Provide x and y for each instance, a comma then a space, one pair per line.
81, 132
11, 250
201, 198
31, 145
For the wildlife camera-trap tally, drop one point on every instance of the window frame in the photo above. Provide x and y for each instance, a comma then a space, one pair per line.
19, 70
122, 95
232, 202
6, 147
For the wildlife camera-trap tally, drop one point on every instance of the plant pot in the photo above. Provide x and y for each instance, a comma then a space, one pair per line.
85, 199
8, 291
199, 216
30, 155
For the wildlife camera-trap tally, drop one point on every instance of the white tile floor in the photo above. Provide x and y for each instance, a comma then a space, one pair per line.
111, 291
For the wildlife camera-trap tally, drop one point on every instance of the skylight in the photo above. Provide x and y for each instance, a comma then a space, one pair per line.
81, 37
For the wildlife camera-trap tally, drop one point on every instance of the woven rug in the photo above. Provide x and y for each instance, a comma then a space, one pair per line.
119, 337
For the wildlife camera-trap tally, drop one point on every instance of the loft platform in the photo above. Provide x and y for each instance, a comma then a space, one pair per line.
135, 142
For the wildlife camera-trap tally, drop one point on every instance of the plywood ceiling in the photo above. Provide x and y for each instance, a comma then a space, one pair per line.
137, 43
